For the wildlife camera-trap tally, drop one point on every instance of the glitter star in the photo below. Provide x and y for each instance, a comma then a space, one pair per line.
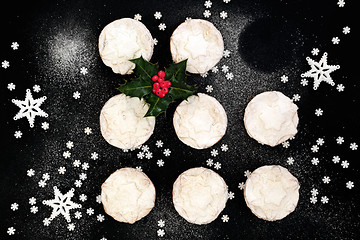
30, 108
320, 71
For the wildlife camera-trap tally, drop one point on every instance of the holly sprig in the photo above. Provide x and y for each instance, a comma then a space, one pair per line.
142, 85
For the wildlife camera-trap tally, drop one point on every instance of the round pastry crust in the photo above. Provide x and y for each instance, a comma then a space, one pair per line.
199, 195
128, 195
271, 118
122, 40
123, 124
199, 42
271, 192
200, 121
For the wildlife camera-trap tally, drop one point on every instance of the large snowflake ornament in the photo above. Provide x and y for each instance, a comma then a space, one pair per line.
320, 71
29, 108
61, 204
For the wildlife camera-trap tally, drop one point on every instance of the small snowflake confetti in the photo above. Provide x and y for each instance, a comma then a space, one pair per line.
159, 143
100, 218
223, 14
30, 172
32, 201
139, 168
320, 141
345, 164
160, 163
229, 76
226, 1
209, 162
326, 179
224, 147
225, 218
315, 148
209, 88
339, 140
226, 53
90, 211
14, 45
341, 3
11, 86
350, 185
161, 223
36, 88
76, 163
207, 13
231, 195
78, 183
340, 87
217, 165
83, 176
71, 227
225, 68
214, 153
208, 4
290, 160
66, 154
140, 155
215, 69
314, 192
83, 197
157, 15
160, 232
241, 186
87, 131
353, 146
335, 40
315, 161
324, 199
94, 156
137, 17
34, 209
85, 166
313, 199
296, 97
5, 64
247, 173
62, 170
69, 144
304, 82
286, 144
284, 79
167, 152
83, 70
78, 215
336, 159
319, 112
11, 231
18, 134
315, 51
45, 125
14, 206
162, 26
346, 30
76, 95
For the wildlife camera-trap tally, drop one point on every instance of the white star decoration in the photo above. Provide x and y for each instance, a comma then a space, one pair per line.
61, 204
29, 108
320, 71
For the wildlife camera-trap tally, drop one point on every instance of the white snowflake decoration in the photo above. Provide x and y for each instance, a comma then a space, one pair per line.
320, 71
30, 108
61, 204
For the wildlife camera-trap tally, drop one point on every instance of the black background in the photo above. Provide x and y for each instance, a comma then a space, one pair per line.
273, 38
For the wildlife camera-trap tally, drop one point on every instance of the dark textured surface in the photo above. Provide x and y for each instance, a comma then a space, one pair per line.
267, 39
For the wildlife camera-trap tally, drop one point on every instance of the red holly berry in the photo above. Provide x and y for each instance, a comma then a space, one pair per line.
165, 90
161, 74
155, 78
156, 86
160, 93
165, 84
160, 80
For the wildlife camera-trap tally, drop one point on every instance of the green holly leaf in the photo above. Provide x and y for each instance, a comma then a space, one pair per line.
178, 70
136, 88
157, 105
144, 69
180, 89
